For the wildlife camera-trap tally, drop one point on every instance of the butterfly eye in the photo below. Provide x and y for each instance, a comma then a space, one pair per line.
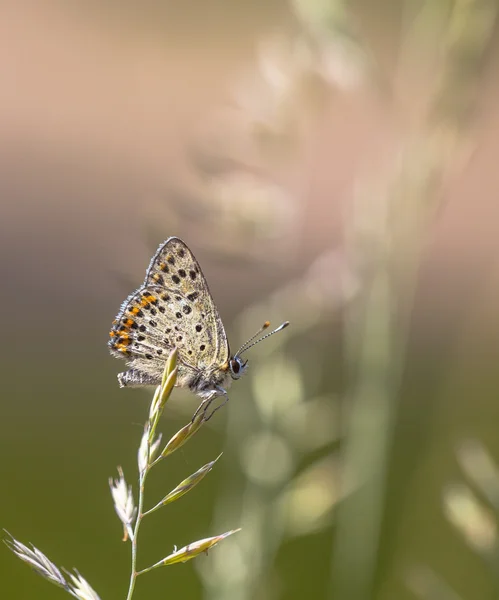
237, 367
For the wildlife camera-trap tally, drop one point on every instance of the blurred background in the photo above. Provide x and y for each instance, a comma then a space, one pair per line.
330, 163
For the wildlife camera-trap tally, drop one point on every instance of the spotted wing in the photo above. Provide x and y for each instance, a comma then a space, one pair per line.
173, 308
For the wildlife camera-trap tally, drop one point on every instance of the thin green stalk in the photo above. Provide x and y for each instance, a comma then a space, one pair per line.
134, 573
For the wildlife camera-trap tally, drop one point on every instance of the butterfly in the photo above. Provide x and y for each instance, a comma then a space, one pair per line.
173, 308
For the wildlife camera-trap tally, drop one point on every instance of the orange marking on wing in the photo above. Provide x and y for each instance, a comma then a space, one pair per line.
134, 310
148, 300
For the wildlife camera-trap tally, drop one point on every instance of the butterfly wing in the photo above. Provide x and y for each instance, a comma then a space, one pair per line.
173, 308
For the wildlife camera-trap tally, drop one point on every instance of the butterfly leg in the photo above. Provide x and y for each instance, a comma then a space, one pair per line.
205, 405
220, 392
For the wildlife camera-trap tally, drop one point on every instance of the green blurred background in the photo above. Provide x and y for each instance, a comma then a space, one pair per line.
330, 163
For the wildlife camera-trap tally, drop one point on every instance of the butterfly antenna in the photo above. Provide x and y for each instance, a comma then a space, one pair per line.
250, 343
262, 328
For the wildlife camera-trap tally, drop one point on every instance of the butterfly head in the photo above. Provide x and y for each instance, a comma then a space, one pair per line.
237, 365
